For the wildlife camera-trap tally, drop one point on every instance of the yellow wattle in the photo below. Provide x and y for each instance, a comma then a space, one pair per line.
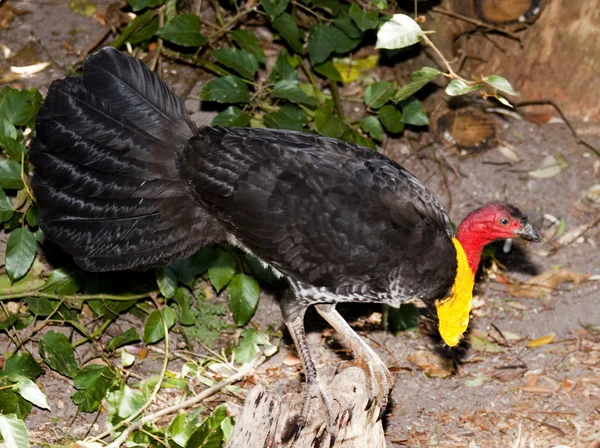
453, 311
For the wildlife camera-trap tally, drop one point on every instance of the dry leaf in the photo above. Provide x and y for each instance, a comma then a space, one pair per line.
550, 167
537, 390
593, 194
542, 340
291, 360
572, 235
545, 283
429, 363
30, 69
508, 151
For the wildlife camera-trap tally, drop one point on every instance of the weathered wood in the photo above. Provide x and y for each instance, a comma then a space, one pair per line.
269, 418
557, 58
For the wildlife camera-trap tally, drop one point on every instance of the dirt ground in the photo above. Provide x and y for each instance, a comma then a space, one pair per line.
504, 394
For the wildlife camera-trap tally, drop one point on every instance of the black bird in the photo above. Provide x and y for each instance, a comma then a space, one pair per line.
126, 180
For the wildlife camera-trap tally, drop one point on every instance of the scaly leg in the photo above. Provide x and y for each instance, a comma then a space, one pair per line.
293, 313
379, 379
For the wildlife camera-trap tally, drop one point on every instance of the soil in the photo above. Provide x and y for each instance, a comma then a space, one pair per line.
503, 394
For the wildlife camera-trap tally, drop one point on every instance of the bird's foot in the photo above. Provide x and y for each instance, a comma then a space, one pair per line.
378, 378
315, 390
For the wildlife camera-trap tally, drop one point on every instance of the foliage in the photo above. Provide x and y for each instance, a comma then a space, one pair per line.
302, 90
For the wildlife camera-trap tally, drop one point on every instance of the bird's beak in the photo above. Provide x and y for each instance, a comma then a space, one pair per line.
528, 233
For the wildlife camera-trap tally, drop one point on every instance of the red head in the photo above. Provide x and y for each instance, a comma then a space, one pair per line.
493, 221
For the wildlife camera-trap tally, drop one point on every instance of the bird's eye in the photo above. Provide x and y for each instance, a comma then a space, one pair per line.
504, 221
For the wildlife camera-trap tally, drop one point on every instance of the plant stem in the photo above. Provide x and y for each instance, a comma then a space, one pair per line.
133, 26
195, 60
46, 295
335, 93
311, 78
451, 72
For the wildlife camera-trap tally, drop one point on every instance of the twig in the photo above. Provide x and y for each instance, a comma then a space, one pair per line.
121, 439
198, 62
578, 139
46, 295
451, 73
241, 374
475, 22
335, 93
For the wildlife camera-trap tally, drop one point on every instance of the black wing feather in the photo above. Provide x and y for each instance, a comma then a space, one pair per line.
323, 212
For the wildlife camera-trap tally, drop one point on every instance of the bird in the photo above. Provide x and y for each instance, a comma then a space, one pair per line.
126, 180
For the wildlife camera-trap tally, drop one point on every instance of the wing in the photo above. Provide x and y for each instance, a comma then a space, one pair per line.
321, 211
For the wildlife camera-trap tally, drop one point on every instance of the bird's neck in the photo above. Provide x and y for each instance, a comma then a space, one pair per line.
472, 238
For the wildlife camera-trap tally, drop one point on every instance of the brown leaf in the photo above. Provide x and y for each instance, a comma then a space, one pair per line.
545, 283
537, 390
431, 364
542, 340
291, 360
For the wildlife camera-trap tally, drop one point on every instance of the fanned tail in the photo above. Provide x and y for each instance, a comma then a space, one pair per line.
105, 168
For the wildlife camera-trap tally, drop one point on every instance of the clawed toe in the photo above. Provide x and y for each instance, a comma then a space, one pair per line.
379, 381
314, 389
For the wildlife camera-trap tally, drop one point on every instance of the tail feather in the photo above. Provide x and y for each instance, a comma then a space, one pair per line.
106, 176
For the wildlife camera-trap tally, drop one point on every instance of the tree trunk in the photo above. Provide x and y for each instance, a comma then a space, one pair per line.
557, 58
269, 417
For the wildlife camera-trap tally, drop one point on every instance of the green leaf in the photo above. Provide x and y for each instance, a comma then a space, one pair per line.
500, 83
243, 294
391, 119
287, 117
18, 106
222, 270
248, 347
286, 26
62, 281
183, 30
358, 139
380, 4
42, 307
185, 301
209, 434
138, 5
345, 34
404, 318
372, 126
10, 175
23, 364
12, 403
7, 129
180, 430
14, 432
20, 252
58, 353
94, 382
291, 91
321, 43
378, 93
413, 113
13, 148
33, 216
328, 70
166, 278
283, 68
30, 392
227, 89
241, 61
7, 323
363, 19
131, 335
418, 80
399, 32
233, 117
145, 33
328, 124
248, 41
459, 87
274, 8
154, 329
5, 204
123, 402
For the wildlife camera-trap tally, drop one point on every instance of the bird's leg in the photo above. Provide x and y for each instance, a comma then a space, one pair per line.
293, 313
379, 379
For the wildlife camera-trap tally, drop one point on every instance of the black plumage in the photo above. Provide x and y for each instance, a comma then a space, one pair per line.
125, 180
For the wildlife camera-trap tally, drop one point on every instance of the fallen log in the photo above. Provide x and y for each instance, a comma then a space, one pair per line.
269, 418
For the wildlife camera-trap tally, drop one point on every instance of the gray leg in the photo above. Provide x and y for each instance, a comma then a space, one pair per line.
293, 313
379, 379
